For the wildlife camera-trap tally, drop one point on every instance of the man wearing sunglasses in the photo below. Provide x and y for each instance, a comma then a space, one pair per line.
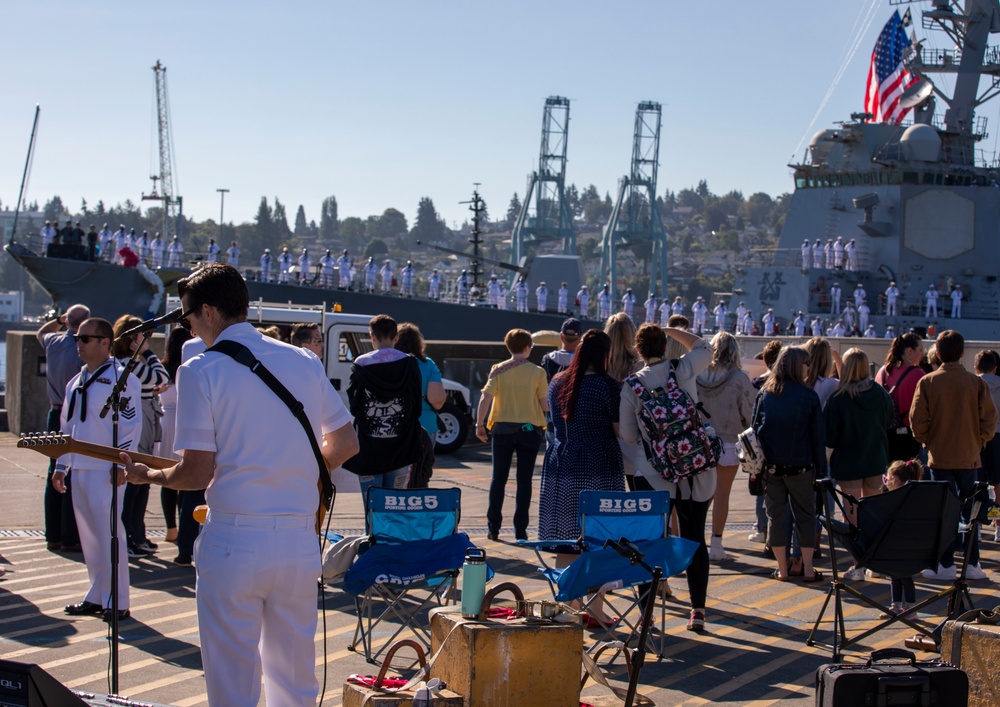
81, 418
257, 557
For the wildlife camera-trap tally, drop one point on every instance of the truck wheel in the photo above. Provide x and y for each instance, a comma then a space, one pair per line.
456, 430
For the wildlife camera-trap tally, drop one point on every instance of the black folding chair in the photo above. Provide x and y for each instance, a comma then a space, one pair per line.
897, 534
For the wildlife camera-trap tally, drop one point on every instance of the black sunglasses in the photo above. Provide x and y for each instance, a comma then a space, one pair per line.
85, 338
184, 321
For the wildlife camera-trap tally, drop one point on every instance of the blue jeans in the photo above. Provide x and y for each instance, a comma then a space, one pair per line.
390, 480
962, 482
526, 443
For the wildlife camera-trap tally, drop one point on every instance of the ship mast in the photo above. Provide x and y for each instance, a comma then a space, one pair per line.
173, 206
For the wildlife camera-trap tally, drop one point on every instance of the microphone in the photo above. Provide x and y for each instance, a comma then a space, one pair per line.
168, 318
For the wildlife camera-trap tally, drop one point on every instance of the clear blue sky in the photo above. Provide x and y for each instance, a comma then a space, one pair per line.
382, 102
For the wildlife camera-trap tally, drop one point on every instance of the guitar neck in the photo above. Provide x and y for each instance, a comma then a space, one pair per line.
56, 445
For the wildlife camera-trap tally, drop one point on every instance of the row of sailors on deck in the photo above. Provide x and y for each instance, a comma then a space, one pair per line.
835, 255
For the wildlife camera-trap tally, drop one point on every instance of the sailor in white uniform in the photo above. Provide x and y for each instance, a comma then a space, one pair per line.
144, 247
370, 270
817, 327
542, 296
889, 333
265, 265
664, 312
828, 254
344, 269
891, 294
700, 311
583, 297
932, 298
385, 274
747, 323
464, 283
174, 253
562, 299
851, 252
769, 322
650, 305
628, 303
806, 252
799, 324
48, 232
864, 312
741, 309
434, 285
604, 303
850, 316
213, 251
677, 307
105, 237
838, 253
284, 266
835, 294
956, 302
720, 312
521, 294
859, 295
869, 332
817, 254
121, 241
233, 255
305, 267
406, 280
156, 250
326, 264
493, 292
81, 418
502, 296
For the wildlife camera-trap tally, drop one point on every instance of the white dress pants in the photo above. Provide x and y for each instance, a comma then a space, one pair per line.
256, 598
92, 508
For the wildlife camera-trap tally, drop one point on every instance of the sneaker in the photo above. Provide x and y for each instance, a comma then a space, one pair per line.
874, 575
716, 552
135, 553
148, 547
183, 560
913, 615
697, 621
895, 609
945, 573
975, 572
855, 574
759, 537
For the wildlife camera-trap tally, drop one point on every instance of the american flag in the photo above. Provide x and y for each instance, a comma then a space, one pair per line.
887, 77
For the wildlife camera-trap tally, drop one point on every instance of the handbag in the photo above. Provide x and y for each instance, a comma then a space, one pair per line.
748, 449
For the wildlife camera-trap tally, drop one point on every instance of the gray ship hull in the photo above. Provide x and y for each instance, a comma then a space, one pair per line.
111, 290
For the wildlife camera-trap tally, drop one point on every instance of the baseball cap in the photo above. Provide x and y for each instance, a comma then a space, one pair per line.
571, 327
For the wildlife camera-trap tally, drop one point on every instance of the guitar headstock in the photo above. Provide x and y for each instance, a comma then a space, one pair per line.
43, 439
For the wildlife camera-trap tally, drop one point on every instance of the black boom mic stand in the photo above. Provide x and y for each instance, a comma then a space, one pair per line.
113, 405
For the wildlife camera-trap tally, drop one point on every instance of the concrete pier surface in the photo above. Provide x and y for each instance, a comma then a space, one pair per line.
753, 651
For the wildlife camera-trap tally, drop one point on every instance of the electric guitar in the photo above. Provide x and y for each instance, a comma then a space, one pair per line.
54, 445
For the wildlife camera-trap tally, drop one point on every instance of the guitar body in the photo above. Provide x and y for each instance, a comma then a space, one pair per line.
55, 445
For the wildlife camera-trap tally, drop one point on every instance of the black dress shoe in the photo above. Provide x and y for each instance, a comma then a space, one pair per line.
493, 536
84, 608
53, 546
107, 615
72, 548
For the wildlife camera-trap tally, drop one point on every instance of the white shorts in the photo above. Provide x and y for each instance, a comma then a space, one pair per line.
728, 457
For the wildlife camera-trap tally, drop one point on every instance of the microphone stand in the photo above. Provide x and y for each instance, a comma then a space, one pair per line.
634, 555
113, 404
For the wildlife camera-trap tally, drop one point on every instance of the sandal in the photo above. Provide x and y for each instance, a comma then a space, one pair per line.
817, 577
777, 575
591, 622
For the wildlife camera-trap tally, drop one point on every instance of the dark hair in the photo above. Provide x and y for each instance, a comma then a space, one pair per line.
517, 341
771, 351
950, 346
908, 470
218, 285
679, 321
650, 341
411, 341
122, 348
786, 369
591, 355
383, 327
900, 344
301, 333
172, 353
103, 327
987, 361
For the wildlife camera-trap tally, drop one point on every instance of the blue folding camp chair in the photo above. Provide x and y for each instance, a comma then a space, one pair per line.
413, 558
641, 517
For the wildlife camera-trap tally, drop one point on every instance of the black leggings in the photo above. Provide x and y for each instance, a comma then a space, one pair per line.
691, 518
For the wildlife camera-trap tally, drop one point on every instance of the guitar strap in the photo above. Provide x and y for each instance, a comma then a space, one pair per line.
241, 354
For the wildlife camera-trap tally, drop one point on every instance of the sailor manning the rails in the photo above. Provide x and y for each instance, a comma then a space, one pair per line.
262, 493
932, 297
81, 418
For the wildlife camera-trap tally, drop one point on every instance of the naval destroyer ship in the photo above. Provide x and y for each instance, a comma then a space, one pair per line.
919, 198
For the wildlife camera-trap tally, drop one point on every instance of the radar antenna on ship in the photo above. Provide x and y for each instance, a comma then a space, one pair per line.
544, 214
173, 205
635, 220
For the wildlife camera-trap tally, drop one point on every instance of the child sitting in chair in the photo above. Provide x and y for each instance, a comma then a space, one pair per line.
902, 591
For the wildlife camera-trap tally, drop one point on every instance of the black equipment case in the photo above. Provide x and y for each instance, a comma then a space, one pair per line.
880, 683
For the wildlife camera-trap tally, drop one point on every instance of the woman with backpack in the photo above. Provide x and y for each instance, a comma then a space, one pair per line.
690, 497
789, 423
899, 376
727, 395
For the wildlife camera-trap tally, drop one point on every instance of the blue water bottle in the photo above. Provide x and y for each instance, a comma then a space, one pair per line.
473, 582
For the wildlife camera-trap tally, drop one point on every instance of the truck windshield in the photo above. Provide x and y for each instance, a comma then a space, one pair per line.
351, 345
